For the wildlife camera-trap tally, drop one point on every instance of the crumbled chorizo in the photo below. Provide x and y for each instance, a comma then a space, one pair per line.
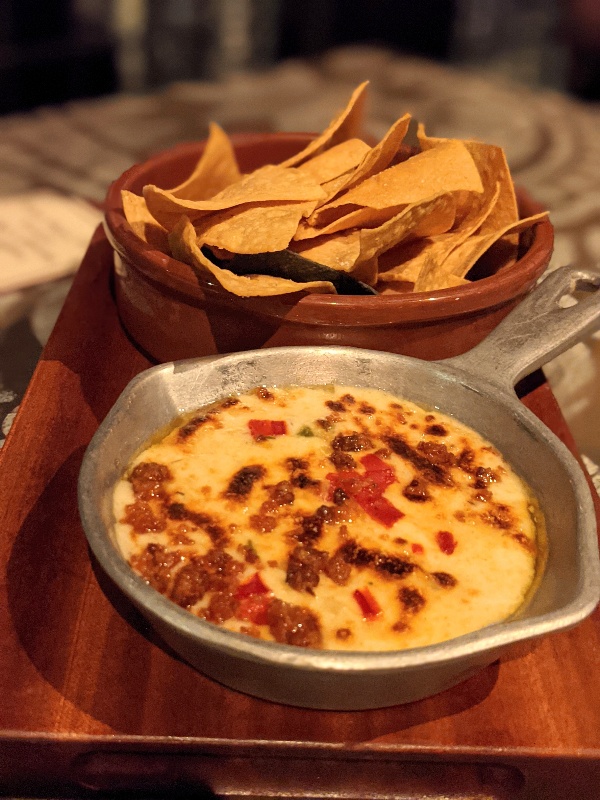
342, 460
338, 569
352, 442
411, 599
221, 607
304, 566
416, 491
263, 523
147, 480
155, 564
143, 518
190, 584
311, 528
292, 624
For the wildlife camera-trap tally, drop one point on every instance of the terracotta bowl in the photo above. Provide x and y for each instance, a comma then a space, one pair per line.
170, 316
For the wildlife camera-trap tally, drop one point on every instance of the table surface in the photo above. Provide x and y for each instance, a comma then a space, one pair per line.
552, 143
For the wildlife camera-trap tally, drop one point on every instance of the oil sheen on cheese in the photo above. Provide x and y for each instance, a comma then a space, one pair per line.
330, 517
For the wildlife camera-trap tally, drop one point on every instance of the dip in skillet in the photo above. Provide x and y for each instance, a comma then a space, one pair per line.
330, 517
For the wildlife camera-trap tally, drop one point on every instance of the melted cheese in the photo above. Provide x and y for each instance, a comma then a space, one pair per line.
458, 552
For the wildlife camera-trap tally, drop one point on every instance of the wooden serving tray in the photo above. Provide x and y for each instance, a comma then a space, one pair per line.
90, 702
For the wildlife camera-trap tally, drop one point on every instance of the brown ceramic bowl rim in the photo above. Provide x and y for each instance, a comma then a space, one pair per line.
508, 283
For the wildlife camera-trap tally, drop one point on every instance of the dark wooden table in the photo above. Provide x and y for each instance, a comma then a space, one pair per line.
91, 701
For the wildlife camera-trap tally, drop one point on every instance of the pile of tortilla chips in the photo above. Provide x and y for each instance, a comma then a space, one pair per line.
395, 218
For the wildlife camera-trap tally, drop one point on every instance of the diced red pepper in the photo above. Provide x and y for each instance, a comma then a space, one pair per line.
254, 608
446, 542
379, 508
367, 489
417, 548
377, 470
253, 585
346, 479
254, 600
369, 607
267, 427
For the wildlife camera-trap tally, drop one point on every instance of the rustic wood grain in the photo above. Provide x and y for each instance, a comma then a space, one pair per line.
90, 699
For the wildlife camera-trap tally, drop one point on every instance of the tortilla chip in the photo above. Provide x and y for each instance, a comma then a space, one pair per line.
346, 125
446, 168
434, 216
380, 156
216, 169
463, 257
340, 251
492, 166
185, 247
439, 280
142, 222
354, 218
264, 185
407, 261
252, 228
395, 287
336, 161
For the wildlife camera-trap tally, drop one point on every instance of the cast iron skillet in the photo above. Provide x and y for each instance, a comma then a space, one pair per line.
476, 388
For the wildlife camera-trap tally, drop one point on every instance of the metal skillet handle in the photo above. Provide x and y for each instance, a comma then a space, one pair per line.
537, 330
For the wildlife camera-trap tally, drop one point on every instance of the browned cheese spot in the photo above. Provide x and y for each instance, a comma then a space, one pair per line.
193, 424
444, 579
389, 565
178, 511
431, 459
498, 516
366, 408
436, 430
244, 479
525, 543
229, 402
326, 424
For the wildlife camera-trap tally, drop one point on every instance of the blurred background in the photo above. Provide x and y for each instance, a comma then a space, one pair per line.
58, 50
